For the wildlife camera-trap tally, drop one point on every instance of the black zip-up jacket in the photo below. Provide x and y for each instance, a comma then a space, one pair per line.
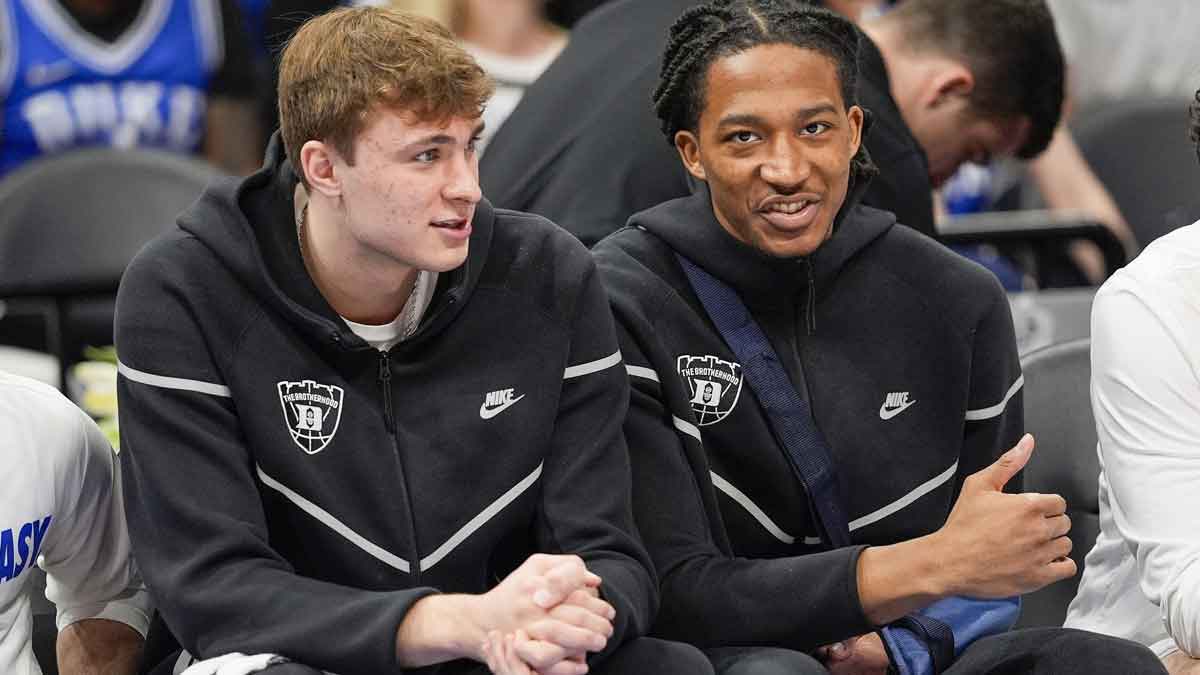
907, 354
292, 490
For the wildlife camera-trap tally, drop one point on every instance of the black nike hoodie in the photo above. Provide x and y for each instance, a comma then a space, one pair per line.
290, 489
907, 355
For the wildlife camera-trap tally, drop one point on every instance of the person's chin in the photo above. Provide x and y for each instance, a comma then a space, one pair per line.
452, 259
789, 247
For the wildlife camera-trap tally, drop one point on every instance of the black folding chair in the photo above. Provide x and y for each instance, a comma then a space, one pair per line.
70, 224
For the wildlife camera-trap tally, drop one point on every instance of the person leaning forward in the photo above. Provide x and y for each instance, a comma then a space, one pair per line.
371, 424
904, 351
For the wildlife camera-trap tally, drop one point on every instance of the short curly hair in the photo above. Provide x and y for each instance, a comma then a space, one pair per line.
343, 64
1012, 49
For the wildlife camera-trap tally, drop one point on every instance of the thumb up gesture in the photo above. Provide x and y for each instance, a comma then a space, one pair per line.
998, 545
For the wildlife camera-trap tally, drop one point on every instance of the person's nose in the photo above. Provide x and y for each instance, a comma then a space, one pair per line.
787, 166
462, 185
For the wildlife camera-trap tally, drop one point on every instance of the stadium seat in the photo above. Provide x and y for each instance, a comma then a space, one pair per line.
1058, 413
1140, 150
1043, 318
70, 224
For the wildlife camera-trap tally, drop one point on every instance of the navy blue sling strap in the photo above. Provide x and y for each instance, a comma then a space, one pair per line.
791, 419
789, 413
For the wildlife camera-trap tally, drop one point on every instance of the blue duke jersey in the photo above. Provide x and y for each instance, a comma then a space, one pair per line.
64, 88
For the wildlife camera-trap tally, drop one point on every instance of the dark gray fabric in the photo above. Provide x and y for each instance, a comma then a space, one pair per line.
1055, 651
763, 661
641, 656
1058, 413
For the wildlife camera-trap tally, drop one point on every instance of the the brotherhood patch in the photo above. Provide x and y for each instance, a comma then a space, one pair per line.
713, 384
312, 412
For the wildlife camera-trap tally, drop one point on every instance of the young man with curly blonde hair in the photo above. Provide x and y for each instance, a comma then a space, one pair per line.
370, 423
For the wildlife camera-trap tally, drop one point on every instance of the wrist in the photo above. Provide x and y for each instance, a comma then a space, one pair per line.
900, 578
440, 628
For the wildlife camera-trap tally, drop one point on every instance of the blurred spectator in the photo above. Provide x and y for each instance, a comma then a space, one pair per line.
514, 42
60, 505
1141, 578
955, 82
169, 74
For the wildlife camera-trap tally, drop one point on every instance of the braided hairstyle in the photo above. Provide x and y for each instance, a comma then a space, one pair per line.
719, 28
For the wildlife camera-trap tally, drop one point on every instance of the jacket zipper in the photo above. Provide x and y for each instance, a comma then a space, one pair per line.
385, 383
810, 305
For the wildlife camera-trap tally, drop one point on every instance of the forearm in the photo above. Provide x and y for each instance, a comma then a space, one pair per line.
98, 647
440, 628
797, 603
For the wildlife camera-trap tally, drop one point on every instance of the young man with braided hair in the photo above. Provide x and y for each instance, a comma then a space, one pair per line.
369, 422
848, 491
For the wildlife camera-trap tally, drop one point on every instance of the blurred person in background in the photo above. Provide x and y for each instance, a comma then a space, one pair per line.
1141, 580
61, 509
514, 42
165, 74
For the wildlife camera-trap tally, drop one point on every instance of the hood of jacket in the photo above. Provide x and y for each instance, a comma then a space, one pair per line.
250, 226
689, 226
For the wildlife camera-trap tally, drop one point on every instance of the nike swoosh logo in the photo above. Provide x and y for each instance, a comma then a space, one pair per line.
885, 414
488, 413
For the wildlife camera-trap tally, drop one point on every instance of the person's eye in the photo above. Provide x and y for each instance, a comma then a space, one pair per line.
427, 157
815, 128
473, 145
742, 137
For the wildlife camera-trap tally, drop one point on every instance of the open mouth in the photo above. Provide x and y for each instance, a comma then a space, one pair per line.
789, 208
790, 214
456, 224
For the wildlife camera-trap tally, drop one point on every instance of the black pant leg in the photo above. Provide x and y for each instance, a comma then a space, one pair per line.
652, 655
763, 661
640, 656
168, 666
1055, 651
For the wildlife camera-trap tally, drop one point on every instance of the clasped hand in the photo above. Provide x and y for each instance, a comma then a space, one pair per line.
545, 618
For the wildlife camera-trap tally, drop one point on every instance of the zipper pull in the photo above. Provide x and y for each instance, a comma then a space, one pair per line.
385, 381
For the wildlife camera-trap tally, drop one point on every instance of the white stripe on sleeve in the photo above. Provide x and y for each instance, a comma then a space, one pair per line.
173, 382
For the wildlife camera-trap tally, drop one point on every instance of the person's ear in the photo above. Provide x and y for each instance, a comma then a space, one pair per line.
318, 162
689, 151
856, 118
950, 85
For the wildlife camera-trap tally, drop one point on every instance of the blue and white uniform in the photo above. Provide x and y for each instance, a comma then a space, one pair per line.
60, 505
64, 88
